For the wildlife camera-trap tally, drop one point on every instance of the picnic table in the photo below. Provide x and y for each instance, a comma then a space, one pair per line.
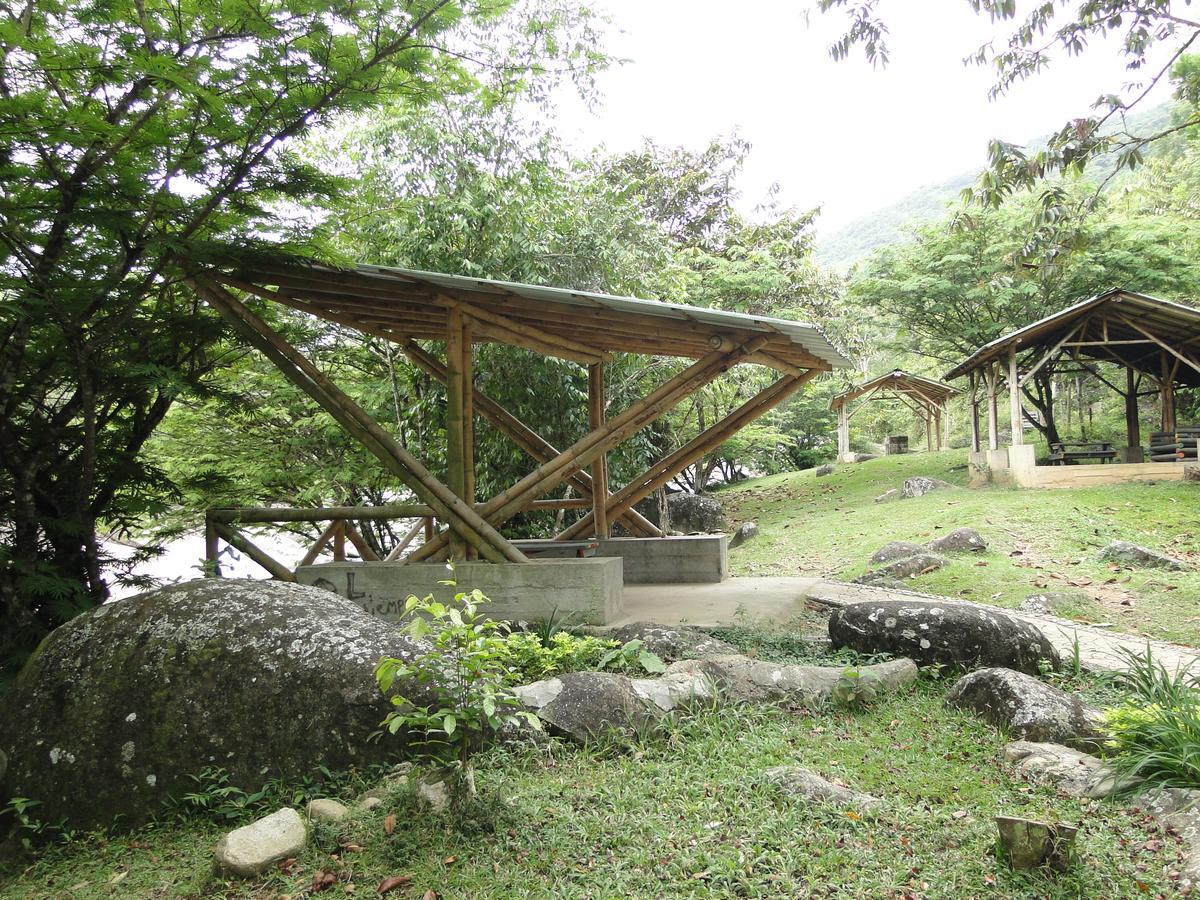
1064, 453
536, 548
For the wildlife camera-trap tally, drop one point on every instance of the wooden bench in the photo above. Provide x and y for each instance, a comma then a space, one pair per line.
550, 549
1062, 455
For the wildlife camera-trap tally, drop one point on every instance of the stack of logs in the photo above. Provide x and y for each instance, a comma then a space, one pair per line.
1173, 446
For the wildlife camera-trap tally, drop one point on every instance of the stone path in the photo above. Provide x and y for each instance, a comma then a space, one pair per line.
1099, 648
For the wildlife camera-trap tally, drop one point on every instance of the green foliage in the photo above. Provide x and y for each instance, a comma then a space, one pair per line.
215, 798
855, 689
632, 656
529, 658
467, 674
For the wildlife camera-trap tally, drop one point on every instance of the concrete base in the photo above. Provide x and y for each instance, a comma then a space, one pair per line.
1022, 460
997, 459
1131, 455
582, 591
977, 467
677, 559
775, 600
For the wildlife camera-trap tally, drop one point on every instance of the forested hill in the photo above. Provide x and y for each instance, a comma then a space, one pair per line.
893, 223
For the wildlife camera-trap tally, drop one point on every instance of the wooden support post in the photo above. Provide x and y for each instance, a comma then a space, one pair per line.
929, 427
580, 454
948, 423
409, 537
358, 424
974, 411
430, 528
1133, 425
339, 541
1014, 399
365, 553
937, 427
237, 539
315, 550
671, 465
992, 379
843, 433
600, 465
456, 471
212, 548
526, 438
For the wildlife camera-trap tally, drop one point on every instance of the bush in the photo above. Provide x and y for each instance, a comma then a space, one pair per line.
1156, 733
468, 675
529, 659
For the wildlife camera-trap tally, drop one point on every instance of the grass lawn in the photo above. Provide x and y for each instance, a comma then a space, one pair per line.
1039, 540
682, 813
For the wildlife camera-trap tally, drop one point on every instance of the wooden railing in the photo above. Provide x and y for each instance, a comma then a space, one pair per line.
222, 524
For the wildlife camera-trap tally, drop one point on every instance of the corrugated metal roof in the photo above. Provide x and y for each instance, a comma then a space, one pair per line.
807, 335
899, 380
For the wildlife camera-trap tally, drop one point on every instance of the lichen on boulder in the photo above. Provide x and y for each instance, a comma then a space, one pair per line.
121, 705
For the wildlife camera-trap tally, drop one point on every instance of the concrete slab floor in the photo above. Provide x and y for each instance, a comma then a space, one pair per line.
773, 598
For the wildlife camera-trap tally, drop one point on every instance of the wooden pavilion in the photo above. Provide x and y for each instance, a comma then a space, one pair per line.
928, 399
1156, 342
407, 306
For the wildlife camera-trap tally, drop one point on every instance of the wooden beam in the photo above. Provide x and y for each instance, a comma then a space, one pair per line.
546, 476
409, 537
1049, 354
317, 513
525, 437
235, 538
1014, 399
1133, 425
456, 472
1163, 344
315, 550
974, 411
600, 465
671, 465
564, 347
365, 553
339, 540
398, 461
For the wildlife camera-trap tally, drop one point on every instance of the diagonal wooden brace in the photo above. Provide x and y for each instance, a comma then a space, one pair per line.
297, 369
524, 437
671, 465
504, 505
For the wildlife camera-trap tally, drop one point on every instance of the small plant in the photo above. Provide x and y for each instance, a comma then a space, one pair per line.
1156, 733
467, 676
529, 659
855, 689
632, 656
216, 798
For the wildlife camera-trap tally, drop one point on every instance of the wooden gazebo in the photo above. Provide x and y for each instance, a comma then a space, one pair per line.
928, 399
1156, 342
408, 306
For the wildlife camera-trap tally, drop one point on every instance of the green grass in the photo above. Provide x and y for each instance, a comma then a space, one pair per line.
1039, 540
682, 813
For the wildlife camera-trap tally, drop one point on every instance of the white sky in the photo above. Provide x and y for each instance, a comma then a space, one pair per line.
840, 135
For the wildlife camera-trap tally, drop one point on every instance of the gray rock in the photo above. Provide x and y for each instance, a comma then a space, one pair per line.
1048, 603
1073, 773
896, 550
958, 541
804, 784
433, 793
1128, 554
251, 849
861, 457
1029, 708
747, 531
327, 810
892, 494
671, 643
919, 486
584, 706
690, 513
1179, 810
369, 803
905, 567
822, 471
760, 681
950, 633
121, 705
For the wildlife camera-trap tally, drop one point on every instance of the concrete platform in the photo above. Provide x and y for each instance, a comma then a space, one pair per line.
675, 559
774, 598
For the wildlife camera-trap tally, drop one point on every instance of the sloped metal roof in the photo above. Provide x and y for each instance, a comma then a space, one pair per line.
901, 382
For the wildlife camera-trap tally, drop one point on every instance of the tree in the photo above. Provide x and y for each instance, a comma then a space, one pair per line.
1142, 27
140, 139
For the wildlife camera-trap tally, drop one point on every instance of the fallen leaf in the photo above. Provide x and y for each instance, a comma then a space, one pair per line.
389, 824
430, 894
390, 884
449, 860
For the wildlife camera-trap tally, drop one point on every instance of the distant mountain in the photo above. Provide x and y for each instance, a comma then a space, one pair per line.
894, 223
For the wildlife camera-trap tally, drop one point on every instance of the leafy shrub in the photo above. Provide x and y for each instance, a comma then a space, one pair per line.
530, 658
632, 656
468, 675
1156, 733
855, 689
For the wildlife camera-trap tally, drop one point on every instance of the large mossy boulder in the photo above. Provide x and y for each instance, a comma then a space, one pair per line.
692, 513
121, 705
958, 634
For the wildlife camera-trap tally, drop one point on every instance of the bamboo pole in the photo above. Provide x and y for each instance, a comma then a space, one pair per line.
468, 419
252, 550
600, 466
561, 345
1014, 399
315, 550
501, 507
398, 461
317, 513
1133, 425
339, 541
456, 468
525, 437
408, 538
360, 543
212, 549
671, 465
974, 411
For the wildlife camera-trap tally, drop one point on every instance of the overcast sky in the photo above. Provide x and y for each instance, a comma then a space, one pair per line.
840, 135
